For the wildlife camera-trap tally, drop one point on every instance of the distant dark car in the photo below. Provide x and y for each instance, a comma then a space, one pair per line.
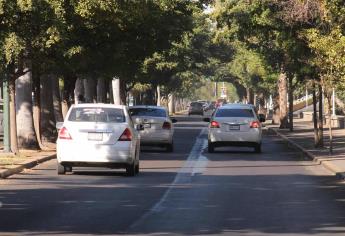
196, 108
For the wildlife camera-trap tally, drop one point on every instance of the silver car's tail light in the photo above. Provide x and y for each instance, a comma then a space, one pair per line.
215, 124
126, 135
166, 125
255, 124
64, 134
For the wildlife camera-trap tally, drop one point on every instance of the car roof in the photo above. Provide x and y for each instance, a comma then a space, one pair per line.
148, 106
236, 105
101, 105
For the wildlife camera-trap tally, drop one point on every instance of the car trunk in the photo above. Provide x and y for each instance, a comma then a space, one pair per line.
95, 132
234, 124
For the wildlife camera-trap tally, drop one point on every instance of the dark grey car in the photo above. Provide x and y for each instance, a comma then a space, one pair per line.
196, 108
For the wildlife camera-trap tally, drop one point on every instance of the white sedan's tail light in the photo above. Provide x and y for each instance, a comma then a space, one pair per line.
64, 134
166, 125
215, 124
126, 135
255, 124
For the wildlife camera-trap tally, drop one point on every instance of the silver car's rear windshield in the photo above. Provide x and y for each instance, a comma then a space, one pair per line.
238, 112
153, 112
97, 114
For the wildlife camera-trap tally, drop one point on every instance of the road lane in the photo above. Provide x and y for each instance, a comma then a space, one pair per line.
231, 192
92, 201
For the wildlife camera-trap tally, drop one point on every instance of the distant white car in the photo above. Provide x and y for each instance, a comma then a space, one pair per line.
235, 125
98, 135
158, 127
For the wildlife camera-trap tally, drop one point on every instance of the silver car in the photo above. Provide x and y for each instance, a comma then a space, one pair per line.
158, 127
235, 125
98, 135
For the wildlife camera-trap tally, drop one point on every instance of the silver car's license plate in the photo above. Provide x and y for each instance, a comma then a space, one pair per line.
147, 125
234, 127
95, 136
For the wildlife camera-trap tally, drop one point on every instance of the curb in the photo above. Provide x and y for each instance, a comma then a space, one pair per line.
26, 165
325, 162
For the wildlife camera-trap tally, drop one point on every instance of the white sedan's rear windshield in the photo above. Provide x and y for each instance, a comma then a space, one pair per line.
154, 112
97, 114
235, 113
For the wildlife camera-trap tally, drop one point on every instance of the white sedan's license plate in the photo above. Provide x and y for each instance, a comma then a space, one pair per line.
95, 136
147, 125
234, 127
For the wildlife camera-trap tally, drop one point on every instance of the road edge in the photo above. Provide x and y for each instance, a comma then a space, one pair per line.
324, 161
25, 165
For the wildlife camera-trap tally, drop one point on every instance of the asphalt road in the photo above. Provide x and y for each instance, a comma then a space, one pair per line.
189, 192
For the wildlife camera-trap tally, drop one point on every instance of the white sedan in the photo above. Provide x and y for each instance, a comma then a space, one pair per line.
235, 125
158, 127
98, 135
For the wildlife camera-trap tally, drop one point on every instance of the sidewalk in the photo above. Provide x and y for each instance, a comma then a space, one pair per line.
303, 139
10, 164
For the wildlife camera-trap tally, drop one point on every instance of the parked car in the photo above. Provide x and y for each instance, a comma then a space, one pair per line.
196, 108
98, 135
158, 127
235, 125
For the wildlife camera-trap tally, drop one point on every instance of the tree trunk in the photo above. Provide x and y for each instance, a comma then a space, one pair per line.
320, 129
111, 92
13, 122
123, 92
56, 99
290, 103
101, 90
158, 95
68, 93
282, 87
90, 90
316, 134
47, 124
26, 135
276, 111
116, 91
330, 124
171, 103
250, 96
79, 91
37, 105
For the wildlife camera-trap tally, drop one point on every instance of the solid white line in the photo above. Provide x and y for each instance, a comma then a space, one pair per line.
195, 163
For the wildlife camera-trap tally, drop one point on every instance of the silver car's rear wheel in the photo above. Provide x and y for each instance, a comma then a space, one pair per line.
170, 147
210, 147
257, 148
137, 168
61, 170
130, 169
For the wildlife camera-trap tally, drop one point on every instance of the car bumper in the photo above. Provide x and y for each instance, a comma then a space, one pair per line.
156, 137
251, 136
79, 153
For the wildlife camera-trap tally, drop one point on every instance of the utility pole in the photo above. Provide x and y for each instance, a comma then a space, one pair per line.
6, 117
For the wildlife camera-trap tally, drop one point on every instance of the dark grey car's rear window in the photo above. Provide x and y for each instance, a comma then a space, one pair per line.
235, 113
154, 112
97, 114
